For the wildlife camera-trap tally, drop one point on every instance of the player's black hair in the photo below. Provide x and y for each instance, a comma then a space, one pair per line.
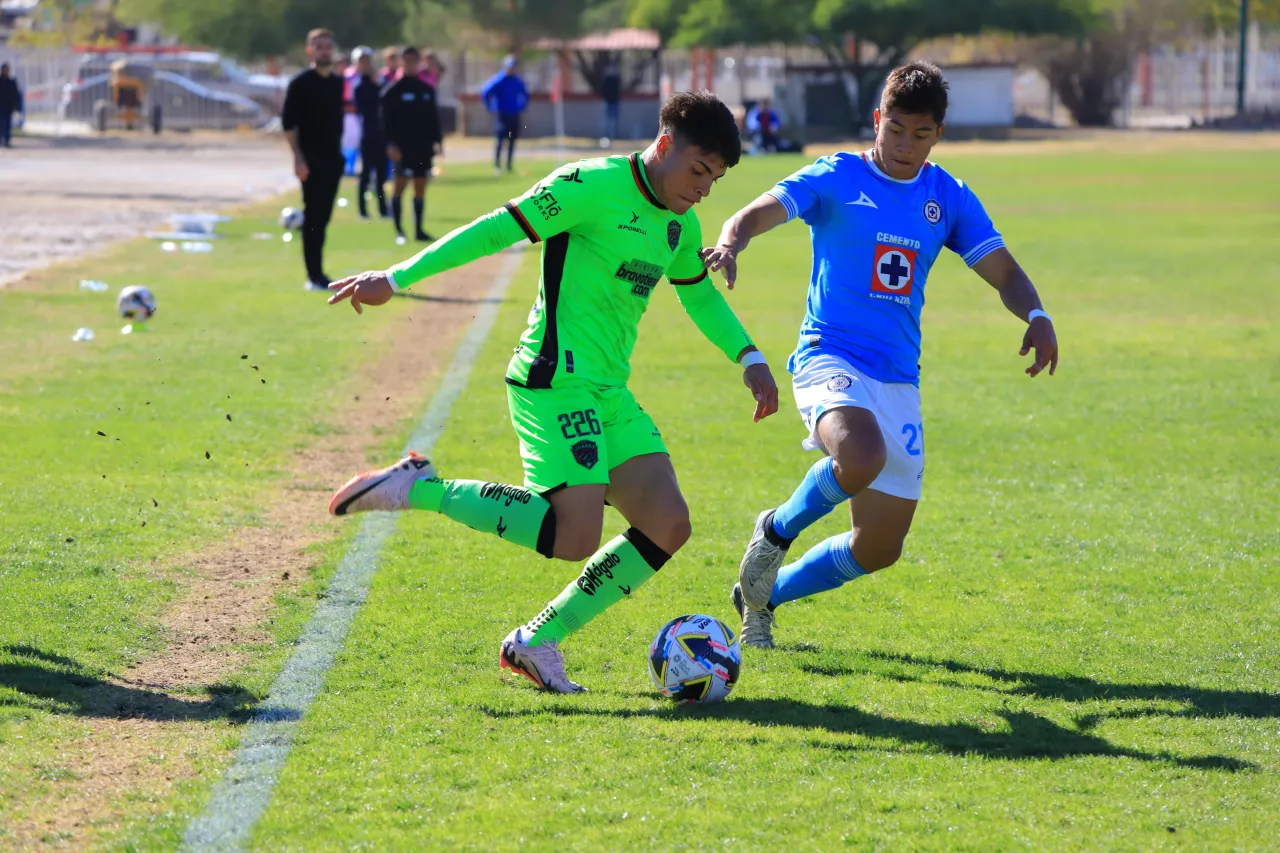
410, 51
702, 119
917, 87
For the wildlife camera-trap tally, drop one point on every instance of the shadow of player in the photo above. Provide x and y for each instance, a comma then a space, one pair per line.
62, 685
1197, 702
1028, 737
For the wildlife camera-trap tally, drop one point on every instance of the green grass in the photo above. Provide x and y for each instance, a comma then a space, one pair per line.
1077, 650
104, 480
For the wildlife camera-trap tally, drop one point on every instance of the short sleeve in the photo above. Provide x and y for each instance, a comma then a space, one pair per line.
687, 266
802, 194
289, 112
973, 236
558, 203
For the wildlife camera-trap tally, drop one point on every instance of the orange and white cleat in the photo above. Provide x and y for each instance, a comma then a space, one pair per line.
543, 665
383, 489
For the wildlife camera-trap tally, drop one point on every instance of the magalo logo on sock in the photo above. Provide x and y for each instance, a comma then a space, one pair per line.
590, 580
501, 492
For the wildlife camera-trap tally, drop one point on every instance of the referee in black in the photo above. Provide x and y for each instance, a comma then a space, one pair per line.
411, 121
312, 120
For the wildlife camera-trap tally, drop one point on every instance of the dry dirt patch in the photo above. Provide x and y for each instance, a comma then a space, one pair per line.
62, 198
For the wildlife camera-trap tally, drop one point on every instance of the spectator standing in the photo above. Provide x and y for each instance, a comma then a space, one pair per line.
312, 120
763, 125
412, 123
10, 103
390, 64
390, 73
366, 95
432, 70
505, 96
351, 129
611, 91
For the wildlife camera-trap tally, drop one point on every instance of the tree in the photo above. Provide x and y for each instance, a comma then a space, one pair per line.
841, 28
254, 28
1090, 72
516, 23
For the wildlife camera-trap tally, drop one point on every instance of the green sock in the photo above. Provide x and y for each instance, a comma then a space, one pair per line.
513, 513
614, 572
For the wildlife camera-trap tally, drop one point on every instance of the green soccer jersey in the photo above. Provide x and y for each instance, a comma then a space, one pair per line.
607, 242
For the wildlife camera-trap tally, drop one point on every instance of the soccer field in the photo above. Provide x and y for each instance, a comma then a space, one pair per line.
1077, 651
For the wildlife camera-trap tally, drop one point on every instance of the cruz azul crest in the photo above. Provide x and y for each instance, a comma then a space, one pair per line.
673, 234
585, 453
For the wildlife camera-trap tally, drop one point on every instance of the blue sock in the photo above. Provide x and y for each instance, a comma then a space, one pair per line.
824, 567
816, 495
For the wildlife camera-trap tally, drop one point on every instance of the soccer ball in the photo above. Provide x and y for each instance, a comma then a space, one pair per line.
136, 303
291, 218
695, 659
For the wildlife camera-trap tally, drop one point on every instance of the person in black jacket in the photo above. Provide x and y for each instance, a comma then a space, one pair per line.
366, 93
10, 103
312, 120
412, 123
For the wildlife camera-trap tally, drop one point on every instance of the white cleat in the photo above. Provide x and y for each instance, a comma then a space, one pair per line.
384, 489
543, 665
757, 625
759, 567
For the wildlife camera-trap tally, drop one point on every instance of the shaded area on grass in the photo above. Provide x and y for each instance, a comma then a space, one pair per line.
59, 684
1029, 736
1199, 702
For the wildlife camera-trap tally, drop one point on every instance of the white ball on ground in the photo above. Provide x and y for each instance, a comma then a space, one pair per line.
291, 218
136, 303
695, 659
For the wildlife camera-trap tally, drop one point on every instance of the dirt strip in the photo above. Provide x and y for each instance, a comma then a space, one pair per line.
149, 730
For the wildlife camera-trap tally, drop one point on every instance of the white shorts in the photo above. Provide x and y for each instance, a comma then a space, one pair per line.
828, 382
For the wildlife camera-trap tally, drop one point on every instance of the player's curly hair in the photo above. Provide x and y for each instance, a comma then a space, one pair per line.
917, 87
702, 119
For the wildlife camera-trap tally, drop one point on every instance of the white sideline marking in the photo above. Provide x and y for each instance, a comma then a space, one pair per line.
244, 793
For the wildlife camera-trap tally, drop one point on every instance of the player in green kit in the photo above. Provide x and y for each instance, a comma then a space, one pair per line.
611, 229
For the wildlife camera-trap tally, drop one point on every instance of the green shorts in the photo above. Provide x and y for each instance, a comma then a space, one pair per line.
574, 436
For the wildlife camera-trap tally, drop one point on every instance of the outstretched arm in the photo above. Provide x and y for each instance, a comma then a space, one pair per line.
763, 214
537, 215
1018, 294
485, 236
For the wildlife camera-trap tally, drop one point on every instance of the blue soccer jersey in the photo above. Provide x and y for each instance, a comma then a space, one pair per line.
875, 239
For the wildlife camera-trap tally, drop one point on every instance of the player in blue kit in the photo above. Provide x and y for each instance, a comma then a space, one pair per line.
878, 221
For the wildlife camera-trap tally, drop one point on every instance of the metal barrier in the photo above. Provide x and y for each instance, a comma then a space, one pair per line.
188, 90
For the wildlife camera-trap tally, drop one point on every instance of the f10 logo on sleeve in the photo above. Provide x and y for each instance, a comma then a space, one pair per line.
894, 270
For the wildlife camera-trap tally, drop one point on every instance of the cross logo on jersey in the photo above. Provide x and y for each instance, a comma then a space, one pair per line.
894, 270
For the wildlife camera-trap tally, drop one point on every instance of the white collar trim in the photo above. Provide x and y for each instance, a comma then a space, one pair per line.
870, 160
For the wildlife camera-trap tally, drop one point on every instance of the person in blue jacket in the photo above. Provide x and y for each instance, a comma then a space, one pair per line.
505, 97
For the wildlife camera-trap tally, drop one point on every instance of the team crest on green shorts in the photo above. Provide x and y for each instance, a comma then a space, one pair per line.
673, 234
585, 453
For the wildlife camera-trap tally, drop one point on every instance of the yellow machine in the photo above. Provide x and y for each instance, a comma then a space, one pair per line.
130, 84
